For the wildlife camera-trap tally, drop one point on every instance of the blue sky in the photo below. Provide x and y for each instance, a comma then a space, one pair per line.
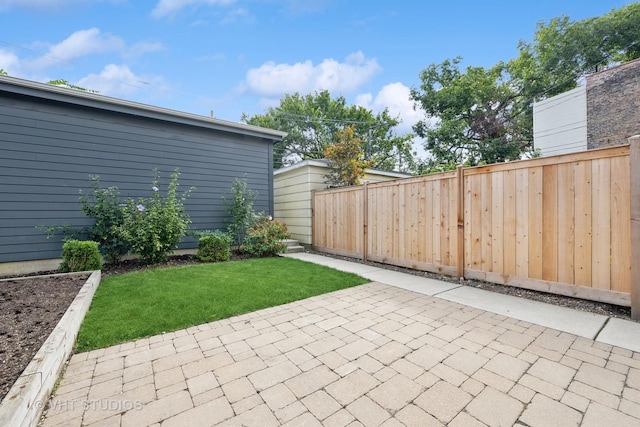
241, 56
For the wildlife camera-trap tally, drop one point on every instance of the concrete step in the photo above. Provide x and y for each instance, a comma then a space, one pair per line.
293, 246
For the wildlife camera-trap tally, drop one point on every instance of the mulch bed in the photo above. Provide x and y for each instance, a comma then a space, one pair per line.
30, 308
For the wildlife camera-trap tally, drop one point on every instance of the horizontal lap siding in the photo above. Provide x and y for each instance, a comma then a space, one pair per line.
48, 151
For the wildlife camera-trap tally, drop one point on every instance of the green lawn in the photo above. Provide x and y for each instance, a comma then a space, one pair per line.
150, 302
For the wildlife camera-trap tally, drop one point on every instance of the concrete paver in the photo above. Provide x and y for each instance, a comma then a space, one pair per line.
415, 354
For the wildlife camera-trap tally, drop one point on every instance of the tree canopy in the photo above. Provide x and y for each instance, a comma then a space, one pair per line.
478, 115
314, 121
485, 115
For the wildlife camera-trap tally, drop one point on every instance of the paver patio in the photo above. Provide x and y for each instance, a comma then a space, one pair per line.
373, 355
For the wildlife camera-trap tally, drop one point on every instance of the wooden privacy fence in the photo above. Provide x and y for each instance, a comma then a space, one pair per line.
559, 224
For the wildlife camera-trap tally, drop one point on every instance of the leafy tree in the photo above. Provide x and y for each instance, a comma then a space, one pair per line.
486, 115
3, 72
562, 51
347, 164
313, 122
477, 111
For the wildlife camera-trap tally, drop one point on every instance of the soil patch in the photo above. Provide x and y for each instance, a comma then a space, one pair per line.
29, 310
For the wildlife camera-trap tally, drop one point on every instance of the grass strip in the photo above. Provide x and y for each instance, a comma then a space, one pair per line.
146, 303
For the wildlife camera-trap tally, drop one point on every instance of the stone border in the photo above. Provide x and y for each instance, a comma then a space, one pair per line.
28, 396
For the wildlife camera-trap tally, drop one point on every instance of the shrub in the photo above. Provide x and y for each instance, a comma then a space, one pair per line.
80, 255
239, 210
103, 204
154, 226
214, 247
263, 237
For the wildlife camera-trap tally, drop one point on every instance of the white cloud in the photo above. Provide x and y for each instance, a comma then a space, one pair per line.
237, 15
274, 80
113, 79
141, 48
78, 44
395, 97
119, 80
9, 62
171, 7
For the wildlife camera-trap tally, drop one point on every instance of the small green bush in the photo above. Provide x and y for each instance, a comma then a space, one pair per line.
103, 204
239, 208
214, 247
80, 255
154, 226
263, 237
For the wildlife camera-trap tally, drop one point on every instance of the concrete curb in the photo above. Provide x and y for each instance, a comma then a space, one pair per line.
24, 403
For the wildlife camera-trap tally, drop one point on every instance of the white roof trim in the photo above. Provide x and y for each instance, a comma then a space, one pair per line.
324, 163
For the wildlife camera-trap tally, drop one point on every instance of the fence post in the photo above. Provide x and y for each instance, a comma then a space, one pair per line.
634, 159
365, 221
460, 242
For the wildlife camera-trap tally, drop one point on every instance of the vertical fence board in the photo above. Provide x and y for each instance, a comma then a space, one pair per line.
522, 222
396, 222
566, 217
460, 262
422, 223
383, 224
365, 219
509, 200
428, 247
411, 220
486, 227
379, 221
435, 224
535, 222
467, 221
601, 224
550, 223
445, 233
400, 223
476, 222
453, 221
497, 220
372, 236
583, 234
620, 225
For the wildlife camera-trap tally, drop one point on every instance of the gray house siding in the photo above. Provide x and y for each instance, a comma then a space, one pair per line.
52, 140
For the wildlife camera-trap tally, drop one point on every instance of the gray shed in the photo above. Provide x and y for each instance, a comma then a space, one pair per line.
53, 139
